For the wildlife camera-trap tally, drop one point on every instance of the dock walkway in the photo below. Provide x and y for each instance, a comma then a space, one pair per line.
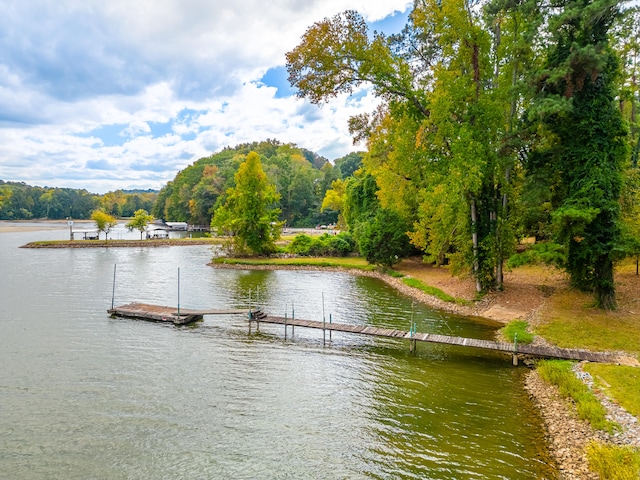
511, 348
160, 313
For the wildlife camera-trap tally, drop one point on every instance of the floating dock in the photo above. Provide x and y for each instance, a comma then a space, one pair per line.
159, 313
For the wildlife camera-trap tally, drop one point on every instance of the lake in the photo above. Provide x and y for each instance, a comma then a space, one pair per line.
83, 395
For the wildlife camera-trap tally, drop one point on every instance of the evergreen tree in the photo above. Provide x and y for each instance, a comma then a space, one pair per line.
584, 144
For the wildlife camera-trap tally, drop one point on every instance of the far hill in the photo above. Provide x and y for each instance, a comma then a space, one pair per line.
301, 178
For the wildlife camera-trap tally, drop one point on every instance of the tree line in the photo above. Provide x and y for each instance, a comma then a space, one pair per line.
19, 201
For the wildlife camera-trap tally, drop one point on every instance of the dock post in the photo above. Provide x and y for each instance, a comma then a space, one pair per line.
411, 338
285, 321
412, 342
330, 330
178, 293
324, 323
113, 291
293, 317
515, 350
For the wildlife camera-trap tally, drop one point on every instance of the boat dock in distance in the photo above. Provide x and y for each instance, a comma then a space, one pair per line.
185, 316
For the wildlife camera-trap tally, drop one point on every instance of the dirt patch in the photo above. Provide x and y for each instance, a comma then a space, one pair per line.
525, 292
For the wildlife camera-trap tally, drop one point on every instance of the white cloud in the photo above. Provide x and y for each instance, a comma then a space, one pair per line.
120, 94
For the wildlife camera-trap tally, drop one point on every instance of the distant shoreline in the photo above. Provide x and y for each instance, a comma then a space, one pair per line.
35, 225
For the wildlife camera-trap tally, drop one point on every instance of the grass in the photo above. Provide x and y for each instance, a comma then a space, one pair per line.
335, 262
434, 291
589, 408
520, 328
619, 382
614, 462
570, 322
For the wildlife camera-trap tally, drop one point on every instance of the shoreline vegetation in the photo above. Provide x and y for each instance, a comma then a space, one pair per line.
538, 296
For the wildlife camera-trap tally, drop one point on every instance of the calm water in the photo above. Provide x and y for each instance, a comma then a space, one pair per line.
86, 396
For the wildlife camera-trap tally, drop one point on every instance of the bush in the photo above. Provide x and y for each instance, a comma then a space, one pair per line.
326, 245
383, 240
301, 244
517, 327
548, 253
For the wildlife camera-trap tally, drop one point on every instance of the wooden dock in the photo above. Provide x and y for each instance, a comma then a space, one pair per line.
413, 337
159, 313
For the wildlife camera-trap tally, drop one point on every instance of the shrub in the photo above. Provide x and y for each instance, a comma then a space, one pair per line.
326, 245
548, 253
301, 244
518, 327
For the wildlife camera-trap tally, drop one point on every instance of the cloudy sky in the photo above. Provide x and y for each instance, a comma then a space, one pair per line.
125, 93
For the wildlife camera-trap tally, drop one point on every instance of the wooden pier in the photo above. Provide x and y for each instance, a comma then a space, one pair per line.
510, 348
159, 313
181, 316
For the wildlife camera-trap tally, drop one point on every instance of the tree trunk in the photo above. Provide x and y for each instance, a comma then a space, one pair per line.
474, 237
605, 287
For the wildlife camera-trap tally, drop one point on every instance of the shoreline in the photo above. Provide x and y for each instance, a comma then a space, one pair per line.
430, 300
566, 436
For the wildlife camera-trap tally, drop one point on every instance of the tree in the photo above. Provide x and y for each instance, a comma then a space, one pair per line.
249, 214
383, 240
585, 140
104, 222
140, 220
435, 145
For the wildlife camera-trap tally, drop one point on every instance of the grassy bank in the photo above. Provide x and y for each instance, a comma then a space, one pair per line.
570, 321
352, 263
623, 383
356, 263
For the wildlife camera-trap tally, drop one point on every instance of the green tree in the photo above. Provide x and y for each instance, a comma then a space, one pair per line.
383, 240
104, 222
585, 140
140, 220
248, 213
436, 144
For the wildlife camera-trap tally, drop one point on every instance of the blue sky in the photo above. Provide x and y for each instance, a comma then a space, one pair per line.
119, 94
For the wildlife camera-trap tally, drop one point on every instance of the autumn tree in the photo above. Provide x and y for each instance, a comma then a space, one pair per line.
140, 220
435, 145
248, 214
104, 222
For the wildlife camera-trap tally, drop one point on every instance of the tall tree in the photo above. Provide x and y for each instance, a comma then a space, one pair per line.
249, 214
435, 145
585, 139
